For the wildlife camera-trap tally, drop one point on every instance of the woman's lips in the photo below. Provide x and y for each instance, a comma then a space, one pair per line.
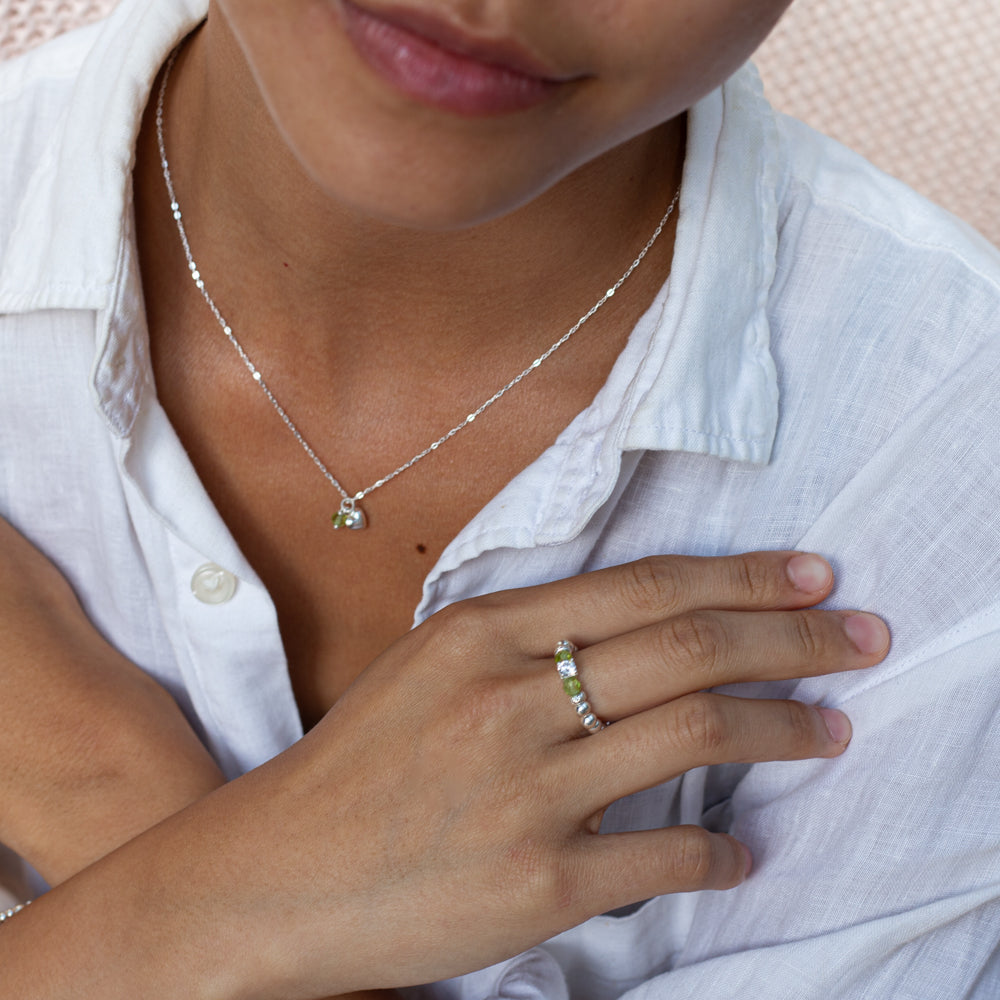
436, 64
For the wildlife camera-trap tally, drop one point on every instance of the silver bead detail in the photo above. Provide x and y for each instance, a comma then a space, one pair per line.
566, 668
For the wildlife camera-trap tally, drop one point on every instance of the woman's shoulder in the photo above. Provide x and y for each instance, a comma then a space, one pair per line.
36, 89
836, 198
867, 268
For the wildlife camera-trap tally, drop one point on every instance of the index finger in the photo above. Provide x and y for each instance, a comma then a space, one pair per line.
596, 606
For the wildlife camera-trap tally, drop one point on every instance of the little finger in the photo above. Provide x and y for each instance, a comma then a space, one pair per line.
626, 868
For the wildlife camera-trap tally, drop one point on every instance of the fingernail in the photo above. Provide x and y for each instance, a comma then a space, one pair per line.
809, 572
749, 860
868, 633
837, 725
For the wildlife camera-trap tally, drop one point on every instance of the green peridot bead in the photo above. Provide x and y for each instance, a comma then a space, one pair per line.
564, 654
571, 685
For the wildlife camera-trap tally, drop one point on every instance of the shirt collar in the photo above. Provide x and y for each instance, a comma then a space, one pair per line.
697, 374
80, 194
708, 382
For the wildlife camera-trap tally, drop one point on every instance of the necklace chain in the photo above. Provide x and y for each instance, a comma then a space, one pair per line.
350, 515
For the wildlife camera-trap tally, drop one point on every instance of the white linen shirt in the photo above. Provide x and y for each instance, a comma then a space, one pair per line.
820, 372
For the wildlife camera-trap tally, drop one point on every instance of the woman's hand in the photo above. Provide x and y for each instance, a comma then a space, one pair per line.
444, 814
92, 750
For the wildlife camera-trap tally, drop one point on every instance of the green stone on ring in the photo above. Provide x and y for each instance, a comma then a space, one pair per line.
571, 685
563, 654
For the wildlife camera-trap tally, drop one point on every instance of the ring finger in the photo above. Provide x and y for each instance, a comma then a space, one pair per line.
654, 665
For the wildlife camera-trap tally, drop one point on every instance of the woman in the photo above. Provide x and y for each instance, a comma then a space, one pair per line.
380, 216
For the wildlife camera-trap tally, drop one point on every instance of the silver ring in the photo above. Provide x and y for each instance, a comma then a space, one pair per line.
570, 677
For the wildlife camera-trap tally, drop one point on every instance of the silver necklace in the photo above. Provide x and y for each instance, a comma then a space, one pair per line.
350, 514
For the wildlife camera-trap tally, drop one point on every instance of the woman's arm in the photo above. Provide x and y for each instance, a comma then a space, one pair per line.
93, 751
444, 814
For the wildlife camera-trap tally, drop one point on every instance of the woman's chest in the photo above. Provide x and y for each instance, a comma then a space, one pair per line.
341, 596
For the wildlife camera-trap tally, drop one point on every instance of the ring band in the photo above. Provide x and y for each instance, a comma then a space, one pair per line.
570, 677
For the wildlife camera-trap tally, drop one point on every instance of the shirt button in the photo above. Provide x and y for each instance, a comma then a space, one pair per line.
212, 584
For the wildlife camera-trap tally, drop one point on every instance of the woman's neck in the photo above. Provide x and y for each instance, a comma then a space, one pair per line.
307, 268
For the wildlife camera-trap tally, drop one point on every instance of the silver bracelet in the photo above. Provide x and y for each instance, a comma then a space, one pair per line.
7, 914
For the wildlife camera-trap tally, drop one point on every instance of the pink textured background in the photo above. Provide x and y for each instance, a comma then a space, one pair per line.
912, 84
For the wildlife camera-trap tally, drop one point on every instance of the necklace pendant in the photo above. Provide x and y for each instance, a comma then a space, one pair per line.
349, 516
